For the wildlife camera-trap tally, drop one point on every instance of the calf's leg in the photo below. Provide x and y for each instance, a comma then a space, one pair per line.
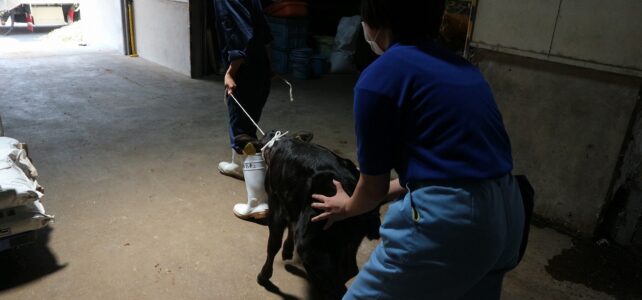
288, 245
322, 273
277, 227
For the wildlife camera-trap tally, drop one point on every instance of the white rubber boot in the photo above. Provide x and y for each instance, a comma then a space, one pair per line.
231, 169
256, 206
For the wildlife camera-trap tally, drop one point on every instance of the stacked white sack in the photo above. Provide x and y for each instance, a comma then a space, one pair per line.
20, 193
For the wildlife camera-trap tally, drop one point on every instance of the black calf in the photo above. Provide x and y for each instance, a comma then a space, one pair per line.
296, 170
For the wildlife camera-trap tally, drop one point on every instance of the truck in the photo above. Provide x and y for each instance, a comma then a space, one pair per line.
38, 13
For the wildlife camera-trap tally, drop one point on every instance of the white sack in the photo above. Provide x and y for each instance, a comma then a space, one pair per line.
342, 60
27, 217
17, 173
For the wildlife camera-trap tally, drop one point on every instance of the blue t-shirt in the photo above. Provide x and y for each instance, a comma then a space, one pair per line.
430, 115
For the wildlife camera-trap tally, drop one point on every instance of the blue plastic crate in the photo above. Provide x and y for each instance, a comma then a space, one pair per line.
288, 33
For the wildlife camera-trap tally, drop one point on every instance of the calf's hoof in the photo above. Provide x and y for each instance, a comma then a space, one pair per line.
263, 280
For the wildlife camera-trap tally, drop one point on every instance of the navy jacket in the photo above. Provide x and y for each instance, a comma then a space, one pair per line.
242, 30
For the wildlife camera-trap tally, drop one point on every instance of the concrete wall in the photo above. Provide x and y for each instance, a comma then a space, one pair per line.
567, 126
162, 33
623, 217
103, 23
603, 35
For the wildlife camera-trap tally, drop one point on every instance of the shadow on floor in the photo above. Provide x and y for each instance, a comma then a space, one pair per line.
311, 293
263, 221
272, 288
28, 263
609, 268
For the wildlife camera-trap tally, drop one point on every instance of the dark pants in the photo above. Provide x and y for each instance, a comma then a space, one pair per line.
252, 90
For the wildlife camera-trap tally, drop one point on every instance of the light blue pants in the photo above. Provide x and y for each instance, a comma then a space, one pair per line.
445, 240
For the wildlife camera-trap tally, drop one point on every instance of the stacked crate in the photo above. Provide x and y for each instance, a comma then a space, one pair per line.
288, 34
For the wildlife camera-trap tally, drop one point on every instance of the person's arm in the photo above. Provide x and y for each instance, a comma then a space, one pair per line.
370, 191
230, 75
235, 30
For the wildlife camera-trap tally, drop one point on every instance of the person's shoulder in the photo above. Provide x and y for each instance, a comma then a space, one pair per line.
433, 62
384, 70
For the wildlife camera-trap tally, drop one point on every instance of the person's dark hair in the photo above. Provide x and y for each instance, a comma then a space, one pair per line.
407, 19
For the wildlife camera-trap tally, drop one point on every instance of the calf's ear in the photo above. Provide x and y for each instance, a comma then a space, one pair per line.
243, 139
305, 136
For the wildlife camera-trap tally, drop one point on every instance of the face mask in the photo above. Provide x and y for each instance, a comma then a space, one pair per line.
373, 45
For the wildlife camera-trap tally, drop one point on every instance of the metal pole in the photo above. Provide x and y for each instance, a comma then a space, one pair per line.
471, 27
132, 37
1, 127
125, 23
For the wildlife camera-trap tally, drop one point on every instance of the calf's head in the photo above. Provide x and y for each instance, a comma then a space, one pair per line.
243, 140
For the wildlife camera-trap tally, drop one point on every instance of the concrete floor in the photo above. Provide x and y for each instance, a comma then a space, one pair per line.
127, 152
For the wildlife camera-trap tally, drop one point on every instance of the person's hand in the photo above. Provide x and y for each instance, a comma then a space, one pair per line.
334, 207
230, 83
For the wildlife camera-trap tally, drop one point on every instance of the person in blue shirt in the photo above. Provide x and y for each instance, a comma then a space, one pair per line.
244, 37
455, 225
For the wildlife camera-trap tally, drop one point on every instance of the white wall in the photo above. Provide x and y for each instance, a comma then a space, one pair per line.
162, 33
103, 23
603, 35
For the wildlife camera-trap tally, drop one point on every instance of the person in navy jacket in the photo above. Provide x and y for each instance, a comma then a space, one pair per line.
244, 37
